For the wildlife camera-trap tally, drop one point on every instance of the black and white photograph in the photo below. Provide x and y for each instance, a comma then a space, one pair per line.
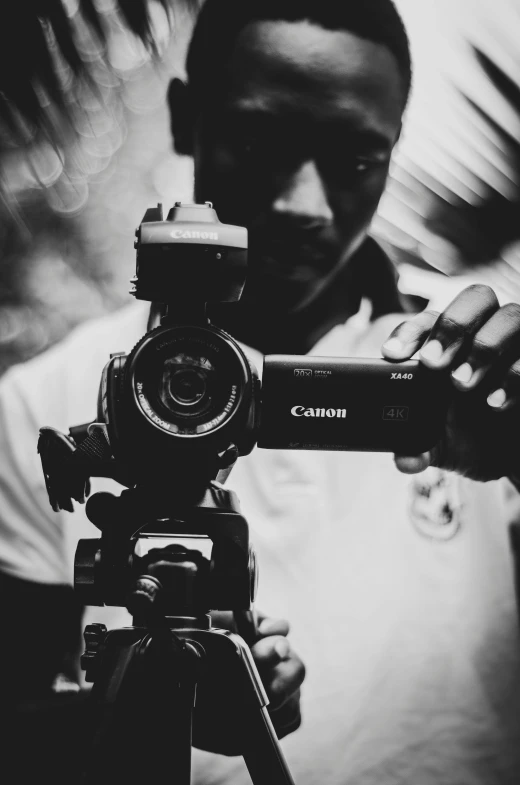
260, 392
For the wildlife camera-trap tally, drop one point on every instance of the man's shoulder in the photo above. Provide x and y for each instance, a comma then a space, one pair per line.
93, 339
59, 386
116, 331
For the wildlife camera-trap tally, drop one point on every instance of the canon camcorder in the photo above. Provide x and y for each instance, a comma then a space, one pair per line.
187, 397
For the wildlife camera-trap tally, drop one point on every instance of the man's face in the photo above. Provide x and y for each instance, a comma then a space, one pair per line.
296, 147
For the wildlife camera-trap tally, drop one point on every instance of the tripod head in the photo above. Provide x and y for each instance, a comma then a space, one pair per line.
179, 582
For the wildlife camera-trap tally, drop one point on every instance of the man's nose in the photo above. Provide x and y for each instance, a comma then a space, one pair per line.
303, 198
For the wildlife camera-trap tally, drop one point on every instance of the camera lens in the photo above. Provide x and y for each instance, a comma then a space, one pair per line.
187, 380
187, 386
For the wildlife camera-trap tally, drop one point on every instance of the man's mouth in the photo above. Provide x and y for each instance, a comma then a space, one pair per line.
298, 262
295, 272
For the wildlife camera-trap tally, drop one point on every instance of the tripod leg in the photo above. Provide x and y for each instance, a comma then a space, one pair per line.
144, 693
231, 690
145, 690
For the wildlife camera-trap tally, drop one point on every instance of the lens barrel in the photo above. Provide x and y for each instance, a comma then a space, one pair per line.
186, 390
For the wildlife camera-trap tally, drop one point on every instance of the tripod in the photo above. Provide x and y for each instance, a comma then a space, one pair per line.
171, 679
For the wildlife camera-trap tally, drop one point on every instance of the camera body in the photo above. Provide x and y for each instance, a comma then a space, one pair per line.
187, 392
336, 403
187, 402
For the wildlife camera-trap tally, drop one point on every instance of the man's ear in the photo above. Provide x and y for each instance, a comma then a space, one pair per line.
182, 117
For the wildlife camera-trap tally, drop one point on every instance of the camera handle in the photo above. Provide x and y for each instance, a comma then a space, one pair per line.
172, 679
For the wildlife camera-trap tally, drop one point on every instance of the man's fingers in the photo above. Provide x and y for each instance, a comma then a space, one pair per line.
287, 680
281, 669
268, 626
270, 651
412, 464
287, 717
265, 625
496, 343
453, 332
474, 337
448, 333
506, 394
409, 336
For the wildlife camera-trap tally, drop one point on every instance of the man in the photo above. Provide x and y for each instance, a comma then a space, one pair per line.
398, 588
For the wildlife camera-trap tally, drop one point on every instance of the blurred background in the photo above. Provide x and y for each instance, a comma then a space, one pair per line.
85, 149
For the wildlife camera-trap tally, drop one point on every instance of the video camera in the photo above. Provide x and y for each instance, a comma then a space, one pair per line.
187, 396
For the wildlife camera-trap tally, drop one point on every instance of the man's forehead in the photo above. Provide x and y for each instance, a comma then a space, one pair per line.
277, 65
345, 125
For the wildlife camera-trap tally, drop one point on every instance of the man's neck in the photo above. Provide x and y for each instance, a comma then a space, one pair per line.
269, 331
369, 273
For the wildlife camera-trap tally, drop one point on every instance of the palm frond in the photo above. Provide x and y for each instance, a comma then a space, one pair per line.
41, 57
481, 231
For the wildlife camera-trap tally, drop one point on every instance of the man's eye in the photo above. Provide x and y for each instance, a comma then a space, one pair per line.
363, 164
356, 166
263, 150
366, 163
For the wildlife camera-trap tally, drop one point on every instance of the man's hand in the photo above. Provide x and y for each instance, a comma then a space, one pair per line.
281, 670
478, 343
222, 722
282, 673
